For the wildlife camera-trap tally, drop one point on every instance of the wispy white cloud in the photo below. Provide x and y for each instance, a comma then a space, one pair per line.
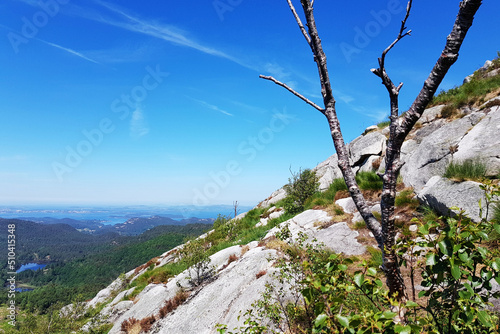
121, 54
277, 71
138, 124
133, 23
346, 98
71, 51
211, 106
377, 115
248, 107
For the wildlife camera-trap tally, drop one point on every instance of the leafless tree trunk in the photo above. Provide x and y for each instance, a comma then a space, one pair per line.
384, 231
235, 206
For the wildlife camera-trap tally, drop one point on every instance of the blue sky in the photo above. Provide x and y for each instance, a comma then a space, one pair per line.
159, 102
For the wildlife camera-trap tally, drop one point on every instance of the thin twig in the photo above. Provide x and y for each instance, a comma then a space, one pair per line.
299, 22
401, 35
300, 96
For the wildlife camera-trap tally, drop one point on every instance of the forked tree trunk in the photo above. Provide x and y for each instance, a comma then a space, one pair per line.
384, 231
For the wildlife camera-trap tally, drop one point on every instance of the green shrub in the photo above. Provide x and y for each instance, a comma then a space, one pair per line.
470, 169
369, 181
195, 254
300, 187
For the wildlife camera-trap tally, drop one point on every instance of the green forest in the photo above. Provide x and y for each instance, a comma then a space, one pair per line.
80, 264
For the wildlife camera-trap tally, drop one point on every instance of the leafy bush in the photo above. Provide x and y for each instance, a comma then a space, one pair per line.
457, 272
470, 169
300, 187
195, 255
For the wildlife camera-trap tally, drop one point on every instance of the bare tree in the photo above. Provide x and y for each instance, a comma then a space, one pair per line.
235, 206
400, 125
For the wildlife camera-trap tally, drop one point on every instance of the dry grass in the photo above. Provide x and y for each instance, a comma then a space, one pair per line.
147, 323
341, 194
376, 163
128, 325
232, 258
260, 274
244, 249
173, 303
276, 244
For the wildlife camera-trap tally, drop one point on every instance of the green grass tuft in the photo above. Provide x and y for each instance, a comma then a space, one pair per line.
359, 225
466, 94
376, 259
428, 214
326, 197
406, 198
383, 124
496, 213
369, 181
470, 169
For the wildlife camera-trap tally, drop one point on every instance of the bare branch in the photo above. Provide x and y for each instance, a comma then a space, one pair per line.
401, 35
300, 96
299, 22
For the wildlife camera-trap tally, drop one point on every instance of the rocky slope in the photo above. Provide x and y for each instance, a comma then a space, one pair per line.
242, 271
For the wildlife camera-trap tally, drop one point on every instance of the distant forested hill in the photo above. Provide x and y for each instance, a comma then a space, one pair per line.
55, 242
82, 263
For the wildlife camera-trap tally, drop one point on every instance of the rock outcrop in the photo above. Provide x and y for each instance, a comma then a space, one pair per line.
442, 194
233, 288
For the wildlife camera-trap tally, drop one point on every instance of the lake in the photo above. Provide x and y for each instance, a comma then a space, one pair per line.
30, 266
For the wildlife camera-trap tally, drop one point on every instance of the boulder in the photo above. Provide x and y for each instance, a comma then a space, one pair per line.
370, 129
482, 142
276, 196
427, 129
364, 146
347, 204
276, 214
441, 194
368, 165
327, 171
430, 114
